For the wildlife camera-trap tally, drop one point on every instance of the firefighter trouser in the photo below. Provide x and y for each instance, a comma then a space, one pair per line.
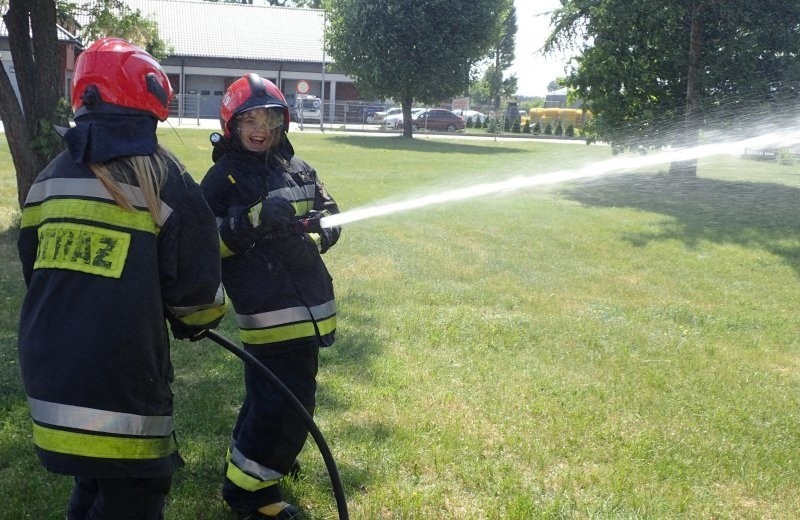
269, 434
118, 498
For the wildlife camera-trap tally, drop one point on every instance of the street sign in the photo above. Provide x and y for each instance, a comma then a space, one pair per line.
303, 87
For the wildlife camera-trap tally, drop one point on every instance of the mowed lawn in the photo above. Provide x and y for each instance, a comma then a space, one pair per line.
626, 346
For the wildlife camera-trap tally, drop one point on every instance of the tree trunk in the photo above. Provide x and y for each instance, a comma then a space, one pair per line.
408, 130
33, 43
689, 134
498, 78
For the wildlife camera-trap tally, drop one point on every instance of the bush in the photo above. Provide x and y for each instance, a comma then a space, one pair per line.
537, 128
571, 131
527, 128
559, 129
548, 130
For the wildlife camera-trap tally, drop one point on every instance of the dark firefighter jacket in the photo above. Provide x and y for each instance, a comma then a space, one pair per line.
277, 283
93, 341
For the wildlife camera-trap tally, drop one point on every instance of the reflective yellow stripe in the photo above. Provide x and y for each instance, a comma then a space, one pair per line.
276, 334
78, 247
95, 211
99, 446
245, 481
201, 315
224, 250
204, 317
89, 188
287, 332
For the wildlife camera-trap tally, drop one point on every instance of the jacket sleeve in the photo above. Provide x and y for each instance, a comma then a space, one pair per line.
191, 278
236, 225
325, 204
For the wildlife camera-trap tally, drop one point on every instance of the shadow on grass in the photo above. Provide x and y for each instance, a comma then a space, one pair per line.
420, 145
763, 215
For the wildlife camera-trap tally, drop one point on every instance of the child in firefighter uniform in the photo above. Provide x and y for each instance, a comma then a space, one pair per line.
115, 241
277, 282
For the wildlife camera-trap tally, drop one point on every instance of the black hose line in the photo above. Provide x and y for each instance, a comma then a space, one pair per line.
330, 464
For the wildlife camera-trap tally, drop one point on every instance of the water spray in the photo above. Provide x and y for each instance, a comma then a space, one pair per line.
776, 139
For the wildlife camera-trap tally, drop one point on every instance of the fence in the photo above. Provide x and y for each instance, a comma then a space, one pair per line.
356, 115
186, 106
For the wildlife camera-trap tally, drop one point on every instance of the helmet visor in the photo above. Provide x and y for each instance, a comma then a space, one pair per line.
269, 118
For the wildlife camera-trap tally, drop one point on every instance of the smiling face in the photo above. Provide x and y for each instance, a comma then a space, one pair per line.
260, 128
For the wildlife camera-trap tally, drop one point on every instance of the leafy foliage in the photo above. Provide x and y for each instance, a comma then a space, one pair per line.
115, 18
412, 50
635, 69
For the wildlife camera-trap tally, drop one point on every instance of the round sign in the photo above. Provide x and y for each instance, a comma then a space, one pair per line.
303, 87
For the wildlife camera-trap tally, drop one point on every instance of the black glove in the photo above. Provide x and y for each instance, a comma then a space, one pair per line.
273, 212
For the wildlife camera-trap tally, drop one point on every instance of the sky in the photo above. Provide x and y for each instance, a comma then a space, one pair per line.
534, 71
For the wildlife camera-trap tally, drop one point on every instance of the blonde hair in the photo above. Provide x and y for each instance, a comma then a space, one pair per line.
148, 172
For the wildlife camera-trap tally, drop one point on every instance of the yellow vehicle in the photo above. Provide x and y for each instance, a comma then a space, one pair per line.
566, 116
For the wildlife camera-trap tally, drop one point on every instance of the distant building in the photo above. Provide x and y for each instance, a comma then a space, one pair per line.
211, 44
69, 46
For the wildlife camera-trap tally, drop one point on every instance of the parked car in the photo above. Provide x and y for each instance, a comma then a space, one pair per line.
308, 108
370, 112
471, 116
362, 113
437, 119
395, 121
383, 114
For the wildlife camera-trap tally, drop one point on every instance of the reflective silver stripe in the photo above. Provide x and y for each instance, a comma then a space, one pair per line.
219, 300
295, 193
252, 467
90, 188
324, 310
90, 419
288, 315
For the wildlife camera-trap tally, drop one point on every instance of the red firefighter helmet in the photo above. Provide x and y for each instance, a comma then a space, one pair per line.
114, 76
249, 92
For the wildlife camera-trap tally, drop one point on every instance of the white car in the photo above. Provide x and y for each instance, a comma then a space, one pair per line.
308, 109
394, 121
383, 114
471, 116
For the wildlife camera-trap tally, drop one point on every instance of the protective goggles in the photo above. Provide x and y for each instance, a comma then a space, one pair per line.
269, 118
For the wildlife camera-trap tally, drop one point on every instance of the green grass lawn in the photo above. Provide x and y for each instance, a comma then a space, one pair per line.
621, 347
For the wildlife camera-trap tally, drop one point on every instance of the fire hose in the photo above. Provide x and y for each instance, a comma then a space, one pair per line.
322, 446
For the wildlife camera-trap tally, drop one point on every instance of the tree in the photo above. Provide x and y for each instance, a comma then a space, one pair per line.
314, 4
31, 26
115, 18
659, 74
411, 50
492, 87
503, 57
